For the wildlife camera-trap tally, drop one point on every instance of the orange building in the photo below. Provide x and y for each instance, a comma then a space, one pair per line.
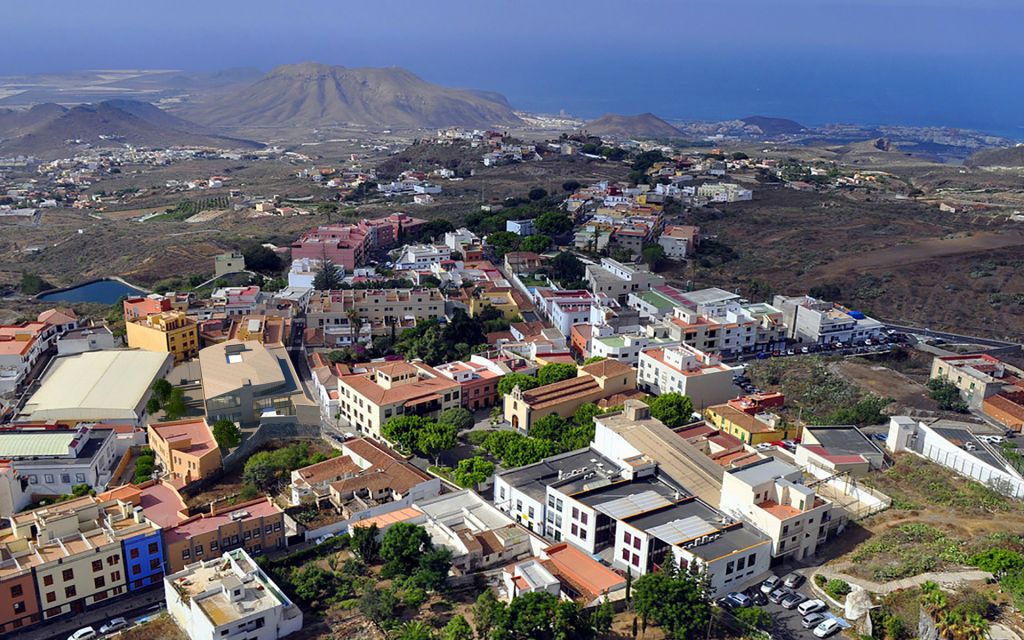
186, 449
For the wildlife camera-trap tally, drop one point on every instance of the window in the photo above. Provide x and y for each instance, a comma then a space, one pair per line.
575, 530
750, 559
186, 554
112, 561
153, 547
583, 517
636, 560
65, 478
51, 596
48, 581
785, 529
133, 554
213, 545
636, 542
70, 592
99, 582
575, 513
79, 477
519, 505
48, 478
627, 538
267, 529
741, 563
116, 577
247, 535
16, 591
19, 607
625, 555
68, 574
730, 567
531, 513
154, 563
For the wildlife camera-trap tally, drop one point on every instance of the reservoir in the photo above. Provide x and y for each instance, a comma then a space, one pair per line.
99, 291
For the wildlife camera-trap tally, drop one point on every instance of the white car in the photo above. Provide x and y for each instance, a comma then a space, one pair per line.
811, 606
115, 624
827, 628
85, 633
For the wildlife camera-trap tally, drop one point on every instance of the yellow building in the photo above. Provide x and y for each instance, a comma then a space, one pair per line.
592, 383
751, 429
186, 449
505, 300
168, 332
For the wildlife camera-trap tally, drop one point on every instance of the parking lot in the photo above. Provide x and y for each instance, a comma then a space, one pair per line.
787, 624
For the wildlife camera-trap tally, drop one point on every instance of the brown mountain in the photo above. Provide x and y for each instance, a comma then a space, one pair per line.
1001, 157
317, 95
645, 125
45, 129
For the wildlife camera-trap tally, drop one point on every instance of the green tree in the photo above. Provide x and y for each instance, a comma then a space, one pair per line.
550, 427
602, 617
458, 417
585, 415
457, 629
328, 278
538, 243
753, 618
946, 394
261, 259
556, 372
512, 380
175, 407
378, 605
311, 583
470, 472
552, 223
79, 490
261, 472
433, 568
537, 193
227, 434
401, 548
653, 256
405, 430
488, 614
162, 390
152, 405
436, 437
31, 284
502, 242
676, 600
673, 409
566, 268
739, 155
593, 359
414, 630
570, 186
366, 543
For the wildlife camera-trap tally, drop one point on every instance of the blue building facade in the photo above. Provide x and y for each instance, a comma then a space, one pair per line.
144, 557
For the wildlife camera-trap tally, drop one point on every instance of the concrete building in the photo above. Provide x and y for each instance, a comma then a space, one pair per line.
170, 332
248, 383
256, 526
235, 301
813, 321
625, 347
49, 460
521, 228
185, 449
563, 571
382, 390
724, 192
75, 554
592, 383
380, 309
22, 344
750, 419
422, 256
302, 272
465, 243
978, 376
618, 280
832, 450
686, 370
100, 386
770, 495
92, 338
225, 263
679, 241
478, 379
229, 596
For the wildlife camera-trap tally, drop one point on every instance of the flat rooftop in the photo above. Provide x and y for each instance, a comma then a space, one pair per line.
763, 471
534, 479
843, 440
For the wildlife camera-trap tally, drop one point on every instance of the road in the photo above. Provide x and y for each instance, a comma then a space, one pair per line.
951, 337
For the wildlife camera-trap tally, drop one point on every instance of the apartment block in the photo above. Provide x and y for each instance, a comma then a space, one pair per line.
813, 321
378, 391
618, 280
185, 449
165, 332
229, 596
379, 308
256, 526
679, 241
626, 347
248, 382
978, 376
478, 379
688, 371
750, 419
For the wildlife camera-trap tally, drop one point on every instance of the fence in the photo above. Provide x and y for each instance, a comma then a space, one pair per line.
971, 467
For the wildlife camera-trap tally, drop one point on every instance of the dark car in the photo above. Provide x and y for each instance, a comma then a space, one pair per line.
756, 597
793, 580
793, 600
775, 597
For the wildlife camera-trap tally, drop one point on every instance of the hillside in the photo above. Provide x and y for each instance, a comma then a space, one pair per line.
44, 129
774, 126
315, 95
644, 125
1002, 157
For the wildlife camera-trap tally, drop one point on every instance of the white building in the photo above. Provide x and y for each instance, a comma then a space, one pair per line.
626, 346
421, 256
678, 241
229, 598
303, 272
809, 320
724, 192
617, 280
95, 338
520, 227
686, 370
770, 495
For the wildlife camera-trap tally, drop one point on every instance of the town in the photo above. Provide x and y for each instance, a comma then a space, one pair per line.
395, 425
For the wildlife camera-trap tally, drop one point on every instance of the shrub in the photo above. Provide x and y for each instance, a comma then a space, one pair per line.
820, 580
838, 589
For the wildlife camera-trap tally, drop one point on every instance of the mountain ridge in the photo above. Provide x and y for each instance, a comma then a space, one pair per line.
643, 125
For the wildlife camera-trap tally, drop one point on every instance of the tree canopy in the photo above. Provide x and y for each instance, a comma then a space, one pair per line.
566, 268
676, 600
328, 278
538, 243
673, 409
512, 380
470, 472
436, 437
458, 417
553, 223
405, 430
227, 434
261, 259
556, 372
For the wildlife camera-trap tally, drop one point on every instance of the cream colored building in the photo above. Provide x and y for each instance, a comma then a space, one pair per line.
380, 308
383, 390
687, 371
168, 332
185, 449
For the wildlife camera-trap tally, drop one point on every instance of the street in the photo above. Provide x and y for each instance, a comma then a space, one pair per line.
135, 605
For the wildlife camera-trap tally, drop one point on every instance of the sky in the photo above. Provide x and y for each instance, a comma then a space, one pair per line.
929, 62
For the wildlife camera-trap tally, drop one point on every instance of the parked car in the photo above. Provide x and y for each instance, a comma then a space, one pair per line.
85, 633
775, 597
790, 445
880, 436
725, 603
793, 600
770, 584
793, 580
740, 599
812, 620
765, 446
826, 628
756, 597
811, 606
805, 350
115, 624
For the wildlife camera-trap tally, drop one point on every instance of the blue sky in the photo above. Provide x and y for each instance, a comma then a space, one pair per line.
927, 61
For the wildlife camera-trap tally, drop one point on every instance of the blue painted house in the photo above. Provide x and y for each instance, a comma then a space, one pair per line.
144, 558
